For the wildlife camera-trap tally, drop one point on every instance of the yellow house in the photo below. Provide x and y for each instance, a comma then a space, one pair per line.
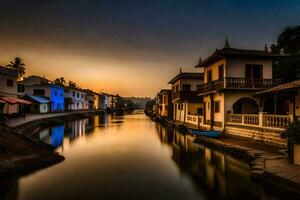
184, 95
231, 77
164, 103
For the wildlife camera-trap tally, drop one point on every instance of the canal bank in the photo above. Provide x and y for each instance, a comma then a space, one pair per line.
268, 163
21, 153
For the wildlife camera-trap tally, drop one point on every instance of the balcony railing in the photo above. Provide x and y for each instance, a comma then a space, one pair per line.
238, 83
260, 120
186, 95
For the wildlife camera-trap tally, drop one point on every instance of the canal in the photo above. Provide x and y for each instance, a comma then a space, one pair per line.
131, 157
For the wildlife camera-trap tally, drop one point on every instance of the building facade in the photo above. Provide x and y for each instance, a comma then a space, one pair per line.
231, 77
185, 97
75, 99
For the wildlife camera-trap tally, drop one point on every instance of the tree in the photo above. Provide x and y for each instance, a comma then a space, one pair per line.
288, 41
18, 66
288, 68
72, 84
60, 81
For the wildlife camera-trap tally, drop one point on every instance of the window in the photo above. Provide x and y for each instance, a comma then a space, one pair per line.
39, 92
61, 94
186, 87
253, 71
82, 96
217, 106
209, 75
73, 94
221, 71
21, 88
178, 107
77, 95
9, 83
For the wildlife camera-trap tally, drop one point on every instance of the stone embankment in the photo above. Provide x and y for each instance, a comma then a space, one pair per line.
20, 153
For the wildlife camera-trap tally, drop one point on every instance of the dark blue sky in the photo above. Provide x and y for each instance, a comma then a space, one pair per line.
133, 38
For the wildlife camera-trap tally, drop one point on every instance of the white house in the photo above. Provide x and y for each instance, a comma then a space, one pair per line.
75, 99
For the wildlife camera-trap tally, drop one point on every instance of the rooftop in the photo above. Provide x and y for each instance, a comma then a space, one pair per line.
186, 75
8, 72
281, 88
237, 53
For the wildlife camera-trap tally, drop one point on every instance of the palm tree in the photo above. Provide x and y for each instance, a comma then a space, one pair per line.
72, 84
18, 66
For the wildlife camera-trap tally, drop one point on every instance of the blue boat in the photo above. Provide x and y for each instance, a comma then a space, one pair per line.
211, 134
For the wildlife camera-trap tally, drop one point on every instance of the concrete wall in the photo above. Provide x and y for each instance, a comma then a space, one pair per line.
215, 70
8, 90
236, 67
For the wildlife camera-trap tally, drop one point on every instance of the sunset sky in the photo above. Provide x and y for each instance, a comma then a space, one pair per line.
132, 47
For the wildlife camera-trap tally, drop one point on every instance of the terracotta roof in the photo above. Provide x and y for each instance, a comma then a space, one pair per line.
187, 75
280, 88
8, 72
232, 52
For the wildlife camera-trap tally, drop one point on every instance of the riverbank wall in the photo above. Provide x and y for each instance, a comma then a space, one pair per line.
257, 159
21, 154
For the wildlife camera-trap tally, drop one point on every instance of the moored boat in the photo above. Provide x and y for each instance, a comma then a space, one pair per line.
211, 134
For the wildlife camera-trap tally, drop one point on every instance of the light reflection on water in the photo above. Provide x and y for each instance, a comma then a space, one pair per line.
131, 157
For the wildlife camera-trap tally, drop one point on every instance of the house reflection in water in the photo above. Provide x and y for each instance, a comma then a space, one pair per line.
214, 172
57, 135
63, 135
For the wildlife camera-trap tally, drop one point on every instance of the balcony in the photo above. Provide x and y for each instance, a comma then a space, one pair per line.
238, 83
186, 96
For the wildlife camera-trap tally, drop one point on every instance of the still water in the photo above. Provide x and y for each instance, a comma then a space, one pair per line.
131, 157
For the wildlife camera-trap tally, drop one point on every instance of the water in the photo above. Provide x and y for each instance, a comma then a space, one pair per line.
131, 157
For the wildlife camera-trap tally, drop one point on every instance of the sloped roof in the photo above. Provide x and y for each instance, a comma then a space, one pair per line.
187, 75
233, 52
280, 88
39, 99
8, 72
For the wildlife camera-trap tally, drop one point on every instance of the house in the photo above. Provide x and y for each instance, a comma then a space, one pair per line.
39, 104
9, 101
283, 99
231, 77
75, 99
51, 92
93, 99
164, 103
185, 97
104, 100
24, 86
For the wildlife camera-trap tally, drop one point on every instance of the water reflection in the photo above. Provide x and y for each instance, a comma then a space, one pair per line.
131, 157
220, 175
62, 135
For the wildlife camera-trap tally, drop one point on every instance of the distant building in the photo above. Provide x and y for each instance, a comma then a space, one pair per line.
54, 93
39, 104
164, 103
185, 97
75, 99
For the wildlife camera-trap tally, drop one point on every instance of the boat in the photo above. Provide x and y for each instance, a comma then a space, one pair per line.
211, 134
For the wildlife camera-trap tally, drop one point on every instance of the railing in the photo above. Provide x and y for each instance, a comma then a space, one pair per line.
194, 119
260, 120
248, 119
238, 83
281, 121
186, 95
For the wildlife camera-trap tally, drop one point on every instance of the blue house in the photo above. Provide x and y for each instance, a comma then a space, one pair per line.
54, 93
57, 98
